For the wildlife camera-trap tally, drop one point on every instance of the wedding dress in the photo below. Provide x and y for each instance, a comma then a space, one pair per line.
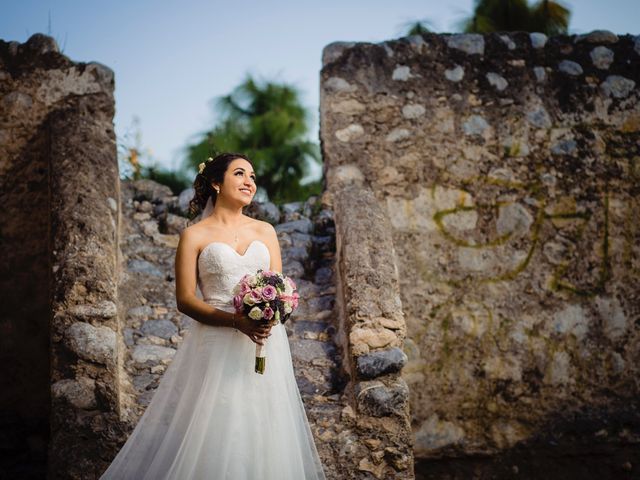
212, 416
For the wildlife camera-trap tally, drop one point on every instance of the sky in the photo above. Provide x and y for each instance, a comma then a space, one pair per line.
172, 59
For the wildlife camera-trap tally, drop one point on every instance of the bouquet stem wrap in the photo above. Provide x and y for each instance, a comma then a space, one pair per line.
261, 358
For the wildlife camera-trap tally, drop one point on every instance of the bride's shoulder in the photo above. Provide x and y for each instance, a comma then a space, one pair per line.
262, 227
191, 230
267, 233
192, 234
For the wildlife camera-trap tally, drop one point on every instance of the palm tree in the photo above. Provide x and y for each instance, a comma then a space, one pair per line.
546, 16
551, 18
267, 123
416, 27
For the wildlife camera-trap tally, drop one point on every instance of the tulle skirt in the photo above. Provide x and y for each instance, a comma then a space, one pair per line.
213, 417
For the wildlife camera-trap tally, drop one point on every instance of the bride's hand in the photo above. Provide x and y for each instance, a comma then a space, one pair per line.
257, 331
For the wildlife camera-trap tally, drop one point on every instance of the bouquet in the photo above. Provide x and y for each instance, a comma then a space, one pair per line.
265, 297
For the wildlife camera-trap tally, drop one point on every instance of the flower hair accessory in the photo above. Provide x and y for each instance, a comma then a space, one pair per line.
204, 164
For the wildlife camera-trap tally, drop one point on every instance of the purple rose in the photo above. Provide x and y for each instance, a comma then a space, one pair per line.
237, 302
269, 293
256, 294
267, 313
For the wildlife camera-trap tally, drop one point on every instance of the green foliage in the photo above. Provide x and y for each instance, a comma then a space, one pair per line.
416, 27
267, 123
551, 18
136, 162
175, 180
546, 16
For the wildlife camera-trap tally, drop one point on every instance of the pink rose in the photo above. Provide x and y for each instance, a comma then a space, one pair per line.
267, 313
269, 293
237, 302
256, 294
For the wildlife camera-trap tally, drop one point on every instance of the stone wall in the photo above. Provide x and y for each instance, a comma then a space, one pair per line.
507, 168
24, 271
60, 214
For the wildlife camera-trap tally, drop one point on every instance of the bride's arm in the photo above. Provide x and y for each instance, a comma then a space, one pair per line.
186, 299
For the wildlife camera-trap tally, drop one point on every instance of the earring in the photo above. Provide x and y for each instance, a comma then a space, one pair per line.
217, 191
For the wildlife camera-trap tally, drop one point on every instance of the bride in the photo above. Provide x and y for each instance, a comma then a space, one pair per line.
212, 416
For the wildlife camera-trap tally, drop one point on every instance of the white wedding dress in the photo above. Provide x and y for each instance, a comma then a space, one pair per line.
212, 416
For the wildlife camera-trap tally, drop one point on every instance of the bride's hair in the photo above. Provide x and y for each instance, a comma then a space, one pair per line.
213, 171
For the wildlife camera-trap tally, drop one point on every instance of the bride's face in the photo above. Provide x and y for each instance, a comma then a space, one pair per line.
239, 182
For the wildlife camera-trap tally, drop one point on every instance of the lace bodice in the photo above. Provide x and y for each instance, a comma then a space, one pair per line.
220, 268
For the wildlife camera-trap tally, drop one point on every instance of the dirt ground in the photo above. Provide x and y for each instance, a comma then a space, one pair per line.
539, 463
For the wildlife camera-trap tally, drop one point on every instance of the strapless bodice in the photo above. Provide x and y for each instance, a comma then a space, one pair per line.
220, 268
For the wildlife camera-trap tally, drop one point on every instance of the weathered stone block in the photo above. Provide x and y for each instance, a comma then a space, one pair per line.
379, 400
151, 353
96, 344
380, 362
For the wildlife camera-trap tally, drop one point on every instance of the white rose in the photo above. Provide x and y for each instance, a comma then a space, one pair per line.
248, 299
287, 288
255, 313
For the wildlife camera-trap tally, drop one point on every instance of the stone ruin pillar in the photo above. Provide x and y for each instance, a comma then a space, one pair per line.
60, 183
